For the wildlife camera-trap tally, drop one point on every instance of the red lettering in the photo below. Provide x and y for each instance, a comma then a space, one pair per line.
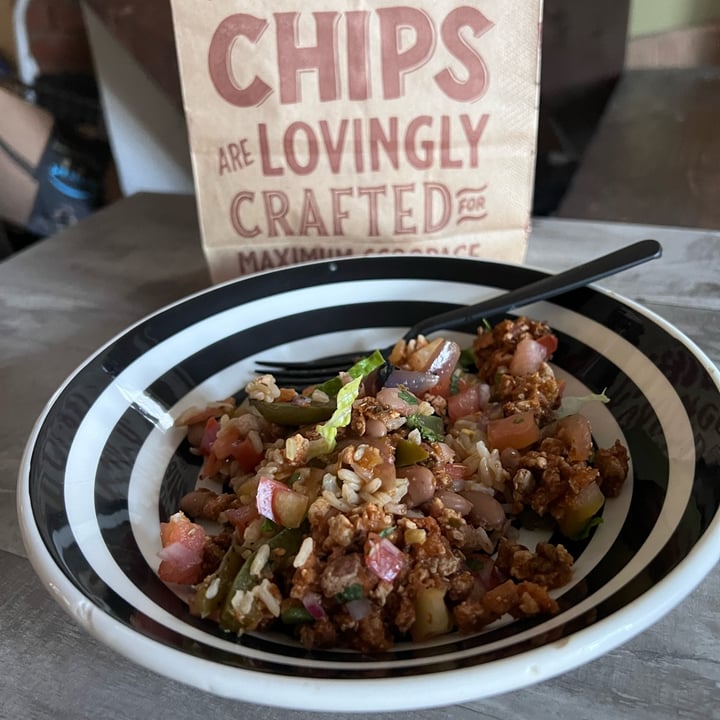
372, 194
389, 143
237, 224
425, 162
338, 214
401, 212
224, 163
476, 82
276, 212
444, 200
265, 157
334, 149
293, 60
358, 145
406, 40
396, 63
358, 62
310, 215
446, 145
219, 55
474, 135
290, 145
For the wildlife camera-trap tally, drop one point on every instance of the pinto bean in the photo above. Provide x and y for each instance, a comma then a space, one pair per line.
193, 503
486, 511
510, 459
375, 428
455, 501
421, 484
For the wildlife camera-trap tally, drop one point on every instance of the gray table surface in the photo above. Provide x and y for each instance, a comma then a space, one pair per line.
65, 296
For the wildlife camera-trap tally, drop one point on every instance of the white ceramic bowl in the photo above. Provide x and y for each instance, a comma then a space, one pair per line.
105, 465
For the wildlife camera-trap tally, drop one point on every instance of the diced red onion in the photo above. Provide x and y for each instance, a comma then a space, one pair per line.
485, 574
358, 609
445, 452
313, 604
414, 381
178, 554
528, 356
385, 559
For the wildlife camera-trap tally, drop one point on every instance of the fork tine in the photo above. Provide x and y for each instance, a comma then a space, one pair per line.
288, 379
342, 361
334, 363
307, 371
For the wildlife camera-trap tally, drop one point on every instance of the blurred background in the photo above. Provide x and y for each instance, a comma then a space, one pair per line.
629, 117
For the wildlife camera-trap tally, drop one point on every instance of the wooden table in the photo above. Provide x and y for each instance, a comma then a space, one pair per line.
64, 297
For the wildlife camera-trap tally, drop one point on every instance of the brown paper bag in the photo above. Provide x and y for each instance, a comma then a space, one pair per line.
327, 129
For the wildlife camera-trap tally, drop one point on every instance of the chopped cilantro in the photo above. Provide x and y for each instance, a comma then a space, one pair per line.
455, 382
405, 395
268, 526
431, 427
351, 592
467, 360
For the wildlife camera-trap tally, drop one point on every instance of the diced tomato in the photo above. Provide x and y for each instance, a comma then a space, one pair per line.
469, 400
383, 558
183, 547
516, 431
247, 455
575, 432
550, 343
225, 441
211, 430
211, 466
229, 443
241, 517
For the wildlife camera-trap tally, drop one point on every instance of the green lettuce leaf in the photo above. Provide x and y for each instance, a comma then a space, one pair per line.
571, 405
360, 369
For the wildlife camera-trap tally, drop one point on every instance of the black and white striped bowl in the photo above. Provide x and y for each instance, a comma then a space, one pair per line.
105, 465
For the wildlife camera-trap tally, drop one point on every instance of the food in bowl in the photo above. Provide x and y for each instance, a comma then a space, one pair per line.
386, 504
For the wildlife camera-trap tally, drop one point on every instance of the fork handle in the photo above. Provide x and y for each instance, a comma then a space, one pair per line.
543, 289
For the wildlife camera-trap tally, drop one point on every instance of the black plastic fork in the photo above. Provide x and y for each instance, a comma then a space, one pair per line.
300, 374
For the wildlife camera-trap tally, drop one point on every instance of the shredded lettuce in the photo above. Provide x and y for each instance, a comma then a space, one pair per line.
571, 405
341, 417
360, 369
345, 397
